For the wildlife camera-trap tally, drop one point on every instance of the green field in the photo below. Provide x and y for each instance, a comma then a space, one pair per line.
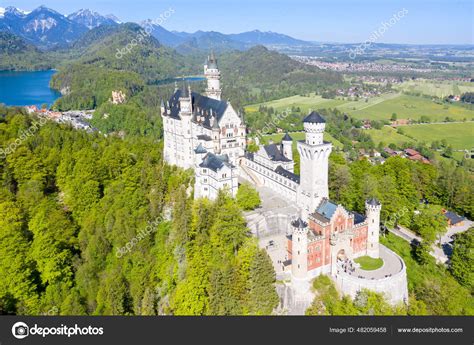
301, 136
459, 135
412, 107
369, 264
435, 88
376, 108
388, 135
305, 103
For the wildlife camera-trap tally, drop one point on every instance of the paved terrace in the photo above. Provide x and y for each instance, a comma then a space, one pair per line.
391, 266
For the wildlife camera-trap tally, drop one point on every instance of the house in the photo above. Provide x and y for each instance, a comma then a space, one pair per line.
452, 218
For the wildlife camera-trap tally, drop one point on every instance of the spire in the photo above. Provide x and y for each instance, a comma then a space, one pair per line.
215, 125
212, 61
287, 137
185, 90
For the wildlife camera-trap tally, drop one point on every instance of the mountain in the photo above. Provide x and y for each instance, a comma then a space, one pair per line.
164, 36
199, 41
207, 40
91, 19
43, 27
16, 54
103, 60
258, 37
106, 46
259, 74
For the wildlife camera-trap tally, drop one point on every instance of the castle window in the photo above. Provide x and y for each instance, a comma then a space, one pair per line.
298, 265
373, 220
298, 252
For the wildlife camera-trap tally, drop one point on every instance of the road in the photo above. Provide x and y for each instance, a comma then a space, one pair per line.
442, 249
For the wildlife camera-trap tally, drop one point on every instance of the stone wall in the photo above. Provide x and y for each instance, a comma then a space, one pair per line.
394, 287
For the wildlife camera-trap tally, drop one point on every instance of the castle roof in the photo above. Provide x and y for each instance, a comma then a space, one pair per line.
274, 153
215, 162
200, 149
202, 106
212, 61
373, 202
299, 223
325, 210
287, 137
314, 117
358, 218
204, 137
288, 174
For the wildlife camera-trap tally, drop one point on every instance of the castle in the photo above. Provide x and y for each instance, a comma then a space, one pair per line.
205, 133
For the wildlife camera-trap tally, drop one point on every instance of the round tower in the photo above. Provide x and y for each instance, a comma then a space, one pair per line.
314, 126
314, 164
213, 76
286, 144
299, 249
372, 211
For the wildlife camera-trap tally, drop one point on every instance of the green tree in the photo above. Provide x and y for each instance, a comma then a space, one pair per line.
462, 260
248, 197
429, 223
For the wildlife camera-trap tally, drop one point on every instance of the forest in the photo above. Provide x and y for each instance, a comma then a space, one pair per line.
89, 226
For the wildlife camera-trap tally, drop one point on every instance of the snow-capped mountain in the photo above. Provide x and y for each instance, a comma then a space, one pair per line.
43, 27
91, 19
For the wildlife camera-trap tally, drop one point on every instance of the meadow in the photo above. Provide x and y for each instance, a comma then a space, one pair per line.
413, 107
435, 88
459, 135
375, 108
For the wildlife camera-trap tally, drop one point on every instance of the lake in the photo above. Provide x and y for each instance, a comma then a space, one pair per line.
27, 88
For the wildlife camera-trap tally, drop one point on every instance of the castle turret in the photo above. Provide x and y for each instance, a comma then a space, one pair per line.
213, 76
372, 211
186, 154
299, 249
199, 153
314, 157
286, 144
185, 103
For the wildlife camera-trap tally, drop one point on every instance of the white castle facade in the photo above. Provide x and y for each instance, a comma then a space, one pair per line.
205, 133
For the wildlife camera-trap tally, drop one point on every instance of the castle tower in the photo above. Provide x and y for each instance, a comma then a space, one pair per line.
286, 144
185, 112
372, 211
213, 76
314, 157
299, 249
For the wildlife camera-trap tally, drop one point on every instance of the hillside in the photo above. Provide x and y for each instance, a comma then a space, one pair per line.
16, 54
259, 74
99, 63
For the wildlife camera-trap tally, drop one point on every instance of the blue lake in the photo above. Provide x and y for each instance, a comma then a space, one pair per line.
27, 88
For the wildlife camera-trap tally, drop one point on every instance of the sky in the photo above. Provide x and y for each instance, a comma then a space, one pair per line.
348, 21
